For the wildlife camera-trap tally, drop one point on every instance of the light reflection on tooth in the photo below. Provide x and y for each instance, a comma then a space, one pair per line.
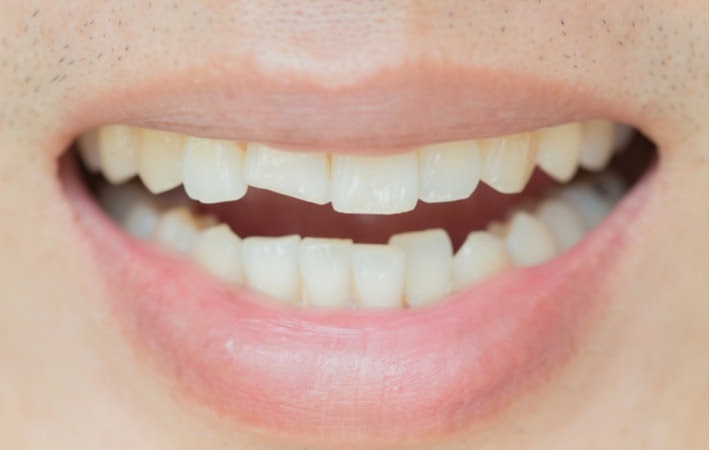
326, 272
481, 255
558, 150
597, 144
508, 162
529, 241
118, 148
566, 224
448, 171
160, 160
378, 275
219, 251
213, 170
271, 266
177, 230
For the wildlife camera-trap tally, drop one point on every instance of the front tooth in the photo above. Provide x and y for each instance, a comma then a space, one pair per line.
89, 151
448, 171
508, 162
597, 144
429, 259
590, 205
564, 221
161, 160
374, 184
118, 149
177, 230
481, 255
558, 150
212, 171
141, 219
218, 250
300, 175
326, 272
529, 241
378, 275
271, 266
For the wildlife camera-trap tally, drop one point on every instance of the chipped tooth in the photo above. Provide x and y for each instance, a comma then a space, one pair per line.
622, 136
177, 230
326, 272
212, 171
558, 150
305, 176
529, 241
141, 219
429, 258
161, 160
565, 222
118, 150
378, 275
89, 151
218, 251
448, 171
374, 184
271, 266
597, 144
589, 203
482, 255
508, 162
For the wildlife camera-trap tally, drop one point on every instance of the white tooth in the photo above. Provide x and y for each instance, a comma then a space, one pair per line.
564, 221
558, 150
429, 259
448, 171
529, 241
481, 255
597, 144
212, 170
89, 151
177, 230
300, 175
141, 219
326, 272
218, 251
622, 136
508, 162
160, 160
374, 184
378, 275
589, 203
271, 266
118, 148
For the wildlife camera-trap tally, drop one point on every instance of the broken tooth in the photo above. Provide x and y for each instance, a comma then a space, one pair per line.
213, 170
558, 150
378, 275
326, 272
597, 144
482, 255
271, 266
448, 171
529, 241
218, 251
160, 162
508, 162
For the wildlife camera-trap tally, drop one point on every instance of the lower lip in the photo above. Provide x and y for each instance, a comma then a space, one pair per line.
346, 375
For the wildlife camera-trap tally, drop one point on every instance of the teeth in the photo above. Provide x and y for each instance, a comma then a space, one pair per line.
160, 161
529, 240
481, 255
89, 151
508, 162
566, 224
378, 275
118, 150
448, 171
597, 144
218, 250
300, 175
429, 258
141, 220
326, 272
558, 150
590, 205
374, 184
212, 171
622, 136
177, 230
271, 266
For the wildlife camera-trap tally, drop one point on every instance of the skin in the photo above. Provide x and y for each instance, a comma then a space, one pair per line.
70, 379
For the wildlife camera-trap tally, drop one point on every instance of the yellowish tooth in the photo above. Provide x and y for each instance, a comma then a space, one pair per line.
448, 171
597, 144
482, 255
508, 161
177, 230
378, 275
566, 224
118, 149
326, 273
529, 241
160, 160
213, 170
89, 151
558, 150
218, 250
271, 266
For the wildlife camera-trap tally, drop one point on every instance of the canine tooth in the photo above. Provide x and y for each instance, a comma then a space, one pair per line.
218, 251
160, 160
271, 266
118, 148
590, 205
565, 222
300, 175
89, 151
326, 272
481, 255
558, 150
508, 162
529, 241
212, 170
141, 219
448, 171
597, 144
177, 230
378, 275
374, 184
429, 259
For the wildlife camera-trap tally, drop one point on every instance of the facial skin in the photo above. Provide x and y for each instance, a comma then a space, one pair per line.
69, 378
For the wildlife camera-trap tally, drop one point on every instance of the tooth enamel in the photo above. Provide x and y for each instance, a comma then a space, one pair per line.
529, 241
481, 255
161, 160
590, 205
212, 171
378, 275
374, 184
597, 144
564, 222
271, 266
177, 230
118, 149
326, 272
141, 219
558, 150
508, 162
448, 171
300, 175
89, 151
218, 251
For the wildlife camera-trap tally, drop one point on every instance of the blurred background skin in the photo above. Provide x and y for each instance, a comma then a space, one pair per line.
69, 379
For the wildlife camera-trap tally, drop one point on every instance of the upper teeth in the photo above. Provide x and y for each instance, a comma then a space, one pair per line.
217, 171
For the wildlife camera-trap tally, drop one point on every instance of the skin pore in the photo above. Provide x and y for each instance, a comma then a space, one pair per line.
70, 378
